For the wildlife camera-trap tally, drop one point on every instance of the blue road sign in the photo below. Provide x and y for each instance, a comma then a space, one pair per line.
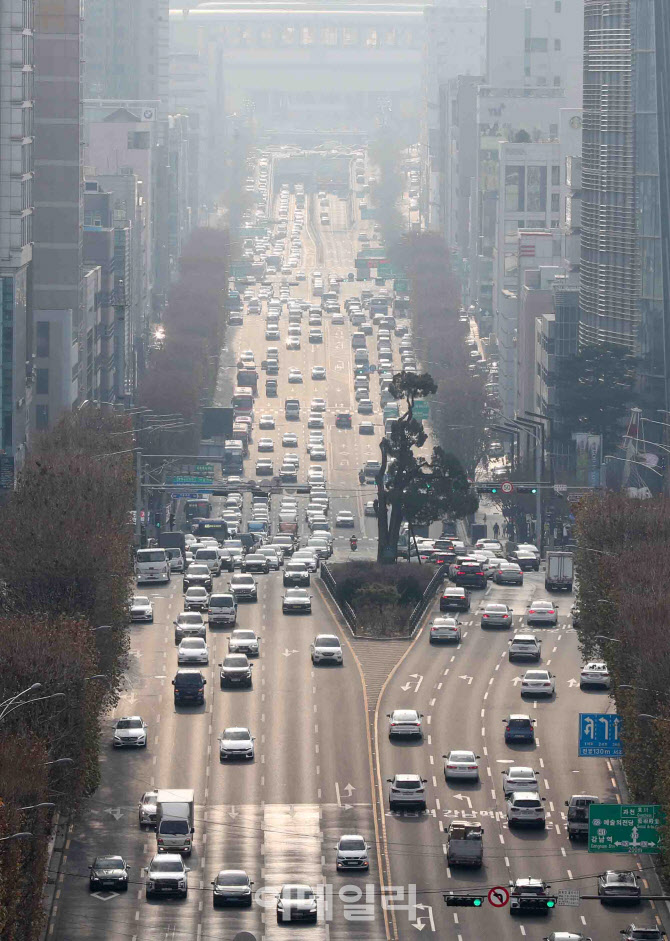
190, 496
600, 735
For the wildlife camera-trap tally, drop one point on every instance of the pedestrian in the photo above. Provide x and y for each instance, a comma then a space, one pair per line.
496, 530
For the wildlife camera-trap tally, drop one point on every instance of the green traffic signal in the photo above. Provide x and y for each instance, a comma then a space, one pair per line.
551, 903
477, 902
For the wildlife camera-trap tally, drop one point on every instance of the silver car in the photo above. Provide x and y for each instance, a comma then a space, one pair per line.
497, 615
405, 723
525, 647
245, 641
407, 790
462, 765
236, 742
141, 609
352, 852
519, 778
542, 612
445, 629
326, 648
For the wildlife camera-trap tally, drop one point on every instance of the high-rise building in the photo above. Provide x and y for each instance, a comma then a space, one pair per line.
126, 50
623, 230
56, 276
16, 200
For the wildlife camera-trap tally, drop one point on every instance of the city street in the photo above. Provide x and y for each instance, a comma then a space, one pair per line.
279, 816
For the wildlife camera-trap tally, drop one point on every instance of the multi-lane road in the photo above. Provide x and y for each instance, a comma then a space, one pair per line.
279, 817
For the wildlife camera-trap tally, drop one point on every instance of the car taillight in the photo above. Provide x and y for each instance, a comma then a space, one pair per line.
452, 767
160, 842
484, 615
508, 728
472, 767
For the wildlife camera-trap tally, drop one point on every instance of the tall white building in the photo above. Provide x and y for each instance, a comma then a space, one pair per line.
16, 201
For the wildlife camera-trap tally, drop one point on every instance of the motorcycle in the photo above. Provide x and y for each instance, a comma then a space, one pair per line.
353, 543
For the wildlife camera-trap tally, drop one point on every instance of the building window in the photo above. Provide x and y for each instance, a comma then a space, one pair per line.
557, 6
557, 81
42, 338
555, 175
514, 189
41, 417
557, 45
536, 45
42, 381
555, 202
536, 189
553, 130
138, 140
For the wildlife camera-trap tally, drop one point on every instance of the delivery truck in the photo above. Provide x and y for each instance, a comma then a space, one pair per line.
559, 571
175, 819
465, 844
174, 540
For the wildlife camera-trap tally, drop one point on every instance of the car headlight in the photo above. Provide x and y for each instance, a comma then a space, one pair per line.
152, 883
182, 883
117, 738
280, 906
312, 907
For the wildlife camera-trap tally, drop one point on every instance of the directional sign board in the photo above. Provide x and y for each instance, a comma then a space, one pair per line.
188, 479
600, 735
420, 409
624, 828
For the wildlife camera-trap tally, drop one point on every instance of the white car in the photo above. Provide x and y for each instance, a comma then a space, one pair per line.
289, 440
196, 599
294, 375
266, 444
345, 518
595, 674
519, 778
243, 640
352, 852
461, 764
130, 731
405, 723
293, 343
266, 422
315, 420
315, 474
192, 650
296, 902
445, 629
538, 683
318, 372
318, 405
236, 742
141, 609
318, 453
407, 790
525, 807
296, 600
326, 648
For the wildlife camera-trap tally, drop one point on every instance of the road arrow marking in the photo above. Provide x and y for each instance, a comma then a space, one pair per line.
105, 896
516, 680
115, 812
339, 799
468, 678
419, 678
349, 788
464, 797
406, 686
287, 652
572, 683
233, 813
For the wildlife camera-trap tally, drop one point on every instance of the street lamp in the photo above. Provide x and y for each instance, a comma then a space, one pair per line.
15, 836
614, 640
60, 761
97, 676
31, 689
26, 702
589, 549
645, 715
38, 806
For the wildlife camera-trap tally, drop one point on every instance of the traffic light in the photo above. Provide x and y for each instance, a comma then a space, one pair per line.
551, 901
523, 489
464, 901
486, 488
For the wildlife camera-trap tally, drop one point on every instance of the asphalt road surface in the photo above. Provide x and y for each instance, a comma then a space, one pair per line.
279, 816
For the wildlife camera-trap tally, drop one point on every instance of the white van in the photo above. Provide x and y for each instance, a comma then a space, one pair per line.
152, 565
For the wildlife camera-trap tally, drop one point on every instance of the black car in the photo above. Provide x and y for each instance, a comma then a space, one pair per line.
189, 686
527, 561
232, 887
455, 599
343, 420
197, 575
108, 872
471, 574
519, 728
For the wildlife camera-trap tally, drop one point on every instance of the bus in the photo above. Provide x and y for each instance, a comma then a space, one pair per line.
197, 508
218, 528
243, 400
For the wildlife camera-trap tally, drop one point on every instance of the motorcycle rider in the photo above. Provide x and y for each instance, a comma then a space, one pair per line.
353, 543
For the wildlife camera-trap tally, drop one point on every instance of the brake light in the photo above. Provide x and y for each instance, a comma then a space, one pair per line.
484, 615
160, 842
507, 728
452, 767
472, 767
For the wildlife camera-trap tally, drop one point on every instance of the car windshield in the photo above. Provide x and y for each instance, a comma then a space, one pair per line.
244, 635
166, 865
189, 679
461, 756
236, 735
529, 890
196, 592
519, 773
221, 601
140, 600
497, 608
404, 715
407, 785
519, 723
528, 802
296, 593
235, 661
297, 893
129, 724
243, 580
194, 643
190, 618
327, 642
355, 843
536, 675
232, 878
151, 555
174, 827
109, 862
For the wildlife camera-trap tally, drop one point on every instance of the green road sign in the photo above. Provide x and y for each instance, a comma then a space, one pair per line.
401, 285
624, 828
420, 409
187, 479
206, 470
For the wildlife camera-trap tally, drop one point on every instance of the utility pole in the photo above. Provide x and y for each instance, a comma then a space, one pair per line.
139, 472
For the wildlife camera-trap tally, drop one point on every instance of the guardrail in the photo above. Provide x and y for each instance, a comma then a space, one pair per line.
426, 598
346, 611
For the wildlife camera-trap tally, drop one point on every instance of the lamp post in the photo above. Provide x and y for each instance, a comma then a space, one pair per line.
60, 761
38, 806
26, 702
15, 836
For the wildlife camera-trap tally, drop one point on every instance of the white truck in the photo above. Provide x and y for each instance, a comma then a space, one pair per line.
559, 571
175, 818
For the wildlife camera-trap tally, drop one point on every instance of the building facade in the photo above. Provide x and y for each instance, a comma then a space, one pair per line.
16, 201
56, 271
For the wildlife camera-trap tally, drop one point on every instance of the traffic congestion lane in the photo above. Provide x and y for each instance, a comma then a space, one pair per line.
479, 708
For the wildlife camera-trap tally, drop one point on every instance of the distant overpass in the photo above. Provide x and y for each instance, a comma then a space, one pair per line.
311, 63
